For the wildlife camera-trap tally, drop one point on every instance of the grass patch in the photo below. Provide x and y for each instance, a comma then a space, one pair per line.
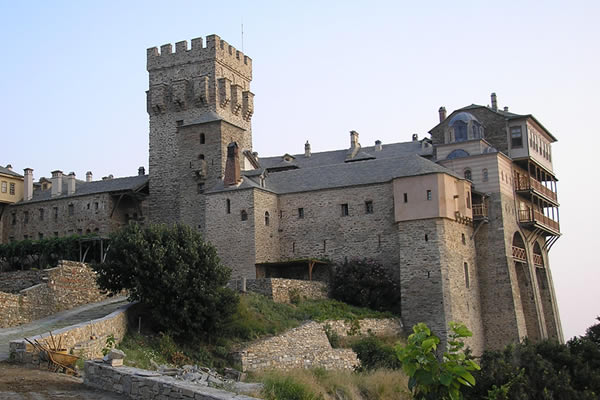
140, 349
320, 384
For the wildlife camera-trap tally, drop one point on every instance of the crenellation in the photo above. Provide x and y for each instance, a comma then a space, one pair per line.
181, 47
166, 49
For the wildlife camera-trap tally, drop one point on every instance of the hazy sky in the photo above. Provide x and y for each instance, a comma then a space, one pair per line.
73, 82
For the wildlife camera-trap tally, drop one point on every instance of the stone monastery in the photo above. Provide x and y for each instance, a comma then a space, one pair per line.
464, 219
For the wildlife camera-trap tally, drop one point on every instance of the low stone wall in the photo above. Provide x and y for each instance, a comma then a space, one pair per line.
86, 339
308, 346
69, 285
141, 384
279, 289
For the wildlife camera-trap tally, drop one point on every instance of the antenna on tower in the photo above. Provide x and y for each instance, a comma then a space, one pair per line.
242, 34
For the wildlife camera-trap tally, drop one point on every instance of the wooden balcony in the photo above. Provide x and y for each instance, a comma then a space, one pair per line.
519, 254
480, 211
524, 184
538, 260
534, 217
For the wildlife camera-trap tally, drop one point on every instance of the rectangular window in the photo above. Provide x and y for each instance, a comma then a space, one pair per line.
345, 210
25, 217
71, 210
301, 213
200, 188
96, 206
12, 189
516, 137
55, 213
428, 194
469, 200
4, 186
406, 197
14, 218
40, 236
369, 207
41, 214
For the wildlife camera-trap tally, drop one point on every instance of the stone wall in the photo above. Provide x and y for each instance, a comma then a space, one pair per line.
86, 339
279, 289
140, 384
307, 346
69, 285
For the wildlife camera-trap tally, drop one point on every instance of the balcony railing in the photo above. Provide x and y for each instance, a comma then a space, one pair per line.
480, 211
519, 254
524, 183
538, 260
539, 218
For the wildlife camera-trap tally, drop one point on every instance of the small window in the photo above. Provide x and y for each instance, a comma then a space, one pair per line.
200, 156
244, 215
301, 213
88, 206
325, 245
369, 207
469, 200
426, 237
200, 188
463, 238
179, 122
71, 210
4, 186
41, 214
467, 283
468, 174
267, 218
406, 197
516, 137
12, 189
202, 138
14, 218
40, 236
484, 174
25, 217
25, 237
228, 206
96, 206
55, 213
429, 195
345, 211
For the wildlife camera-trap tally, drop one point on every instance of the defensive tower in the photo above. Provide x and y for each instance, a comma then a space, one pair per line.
199, 101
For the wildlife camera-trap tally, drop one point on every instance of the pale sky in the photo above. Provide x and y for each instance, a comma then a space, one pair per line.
73, 82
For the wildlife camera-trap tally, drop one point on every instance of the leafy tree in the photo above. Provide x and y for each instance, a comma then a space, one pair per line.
366, 283
430, 378
175, 273
373, 354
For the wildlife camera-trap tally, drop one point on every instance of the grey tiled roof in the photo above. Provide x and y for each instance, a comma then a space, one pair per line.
7, 171
86, 188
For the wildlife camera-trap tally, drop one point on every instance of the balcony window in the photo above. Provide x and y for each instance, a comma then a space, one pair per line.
516, 137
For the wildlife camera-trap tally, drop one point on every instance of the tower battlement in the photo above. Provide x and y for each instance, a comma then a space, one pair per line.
215, 49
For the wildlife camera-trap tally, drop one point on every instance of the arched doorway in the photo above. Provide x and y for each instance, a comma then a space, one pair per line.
526, 290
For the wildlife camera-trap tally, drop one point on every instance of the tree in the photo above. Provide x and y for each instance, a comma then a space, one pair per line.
172, 271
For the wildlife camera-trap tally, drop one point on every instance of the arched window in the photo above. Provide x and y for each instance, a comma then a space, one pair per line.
267, 218
458, 153
468, 174
228, 206
484, 174
460, 131
244, 215
202, 138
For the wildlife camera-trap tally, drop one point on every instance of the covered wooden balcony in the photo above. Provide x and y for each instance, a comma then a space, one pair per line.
535, 180
534, 218
519, 254
480, 211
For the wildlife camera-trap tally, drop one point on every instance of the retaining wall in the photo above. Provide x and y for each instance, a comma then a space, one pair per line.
279, 289
141, 384
69, 285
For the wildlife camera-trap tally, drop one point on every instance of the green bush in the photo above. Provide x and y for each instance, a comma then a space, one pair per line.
44, 253
366, 283
172, 271
373, 354
277, 387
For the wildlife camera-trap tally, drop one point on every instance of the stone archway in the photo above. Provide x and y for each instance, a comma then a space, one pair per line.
526, 289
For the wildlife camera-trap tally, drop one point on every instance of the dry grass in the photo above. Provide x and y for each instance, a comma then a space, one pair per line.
334, 385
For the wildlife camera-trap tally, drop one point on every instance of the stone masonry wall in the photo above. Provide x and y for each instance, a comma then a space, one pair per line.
69, 285
279, 289
86, 339
139, 384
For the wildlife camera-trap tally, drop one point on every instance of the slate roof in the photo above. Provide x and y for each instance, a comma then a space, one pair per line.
86, 188
7, 171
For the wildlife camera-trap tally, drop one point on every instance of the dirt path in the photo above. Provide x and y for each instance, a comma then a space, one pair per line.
18, 383
74, 316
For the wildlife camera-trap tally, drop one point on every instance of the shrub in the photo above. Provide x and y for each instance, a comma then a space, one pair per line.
366, 283
332, 336
27, 254
174, 273
277, 387
373, 354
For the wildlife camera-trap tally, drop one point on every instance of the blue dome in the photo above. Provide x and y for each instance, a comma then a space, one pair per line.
463, 117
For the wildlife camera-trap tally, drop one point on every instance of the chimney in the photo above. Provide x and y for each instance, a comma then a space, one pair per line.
9, 167
354, 139
506, 108
494, 102
415, 137
28, 183
232, 166
442, 112
378, 146
88, 176
71, 183
56, 183
307, 149
141, 171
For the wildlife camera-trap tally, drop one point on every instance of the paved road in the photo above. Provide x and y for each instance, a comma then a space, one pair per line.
74, 316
